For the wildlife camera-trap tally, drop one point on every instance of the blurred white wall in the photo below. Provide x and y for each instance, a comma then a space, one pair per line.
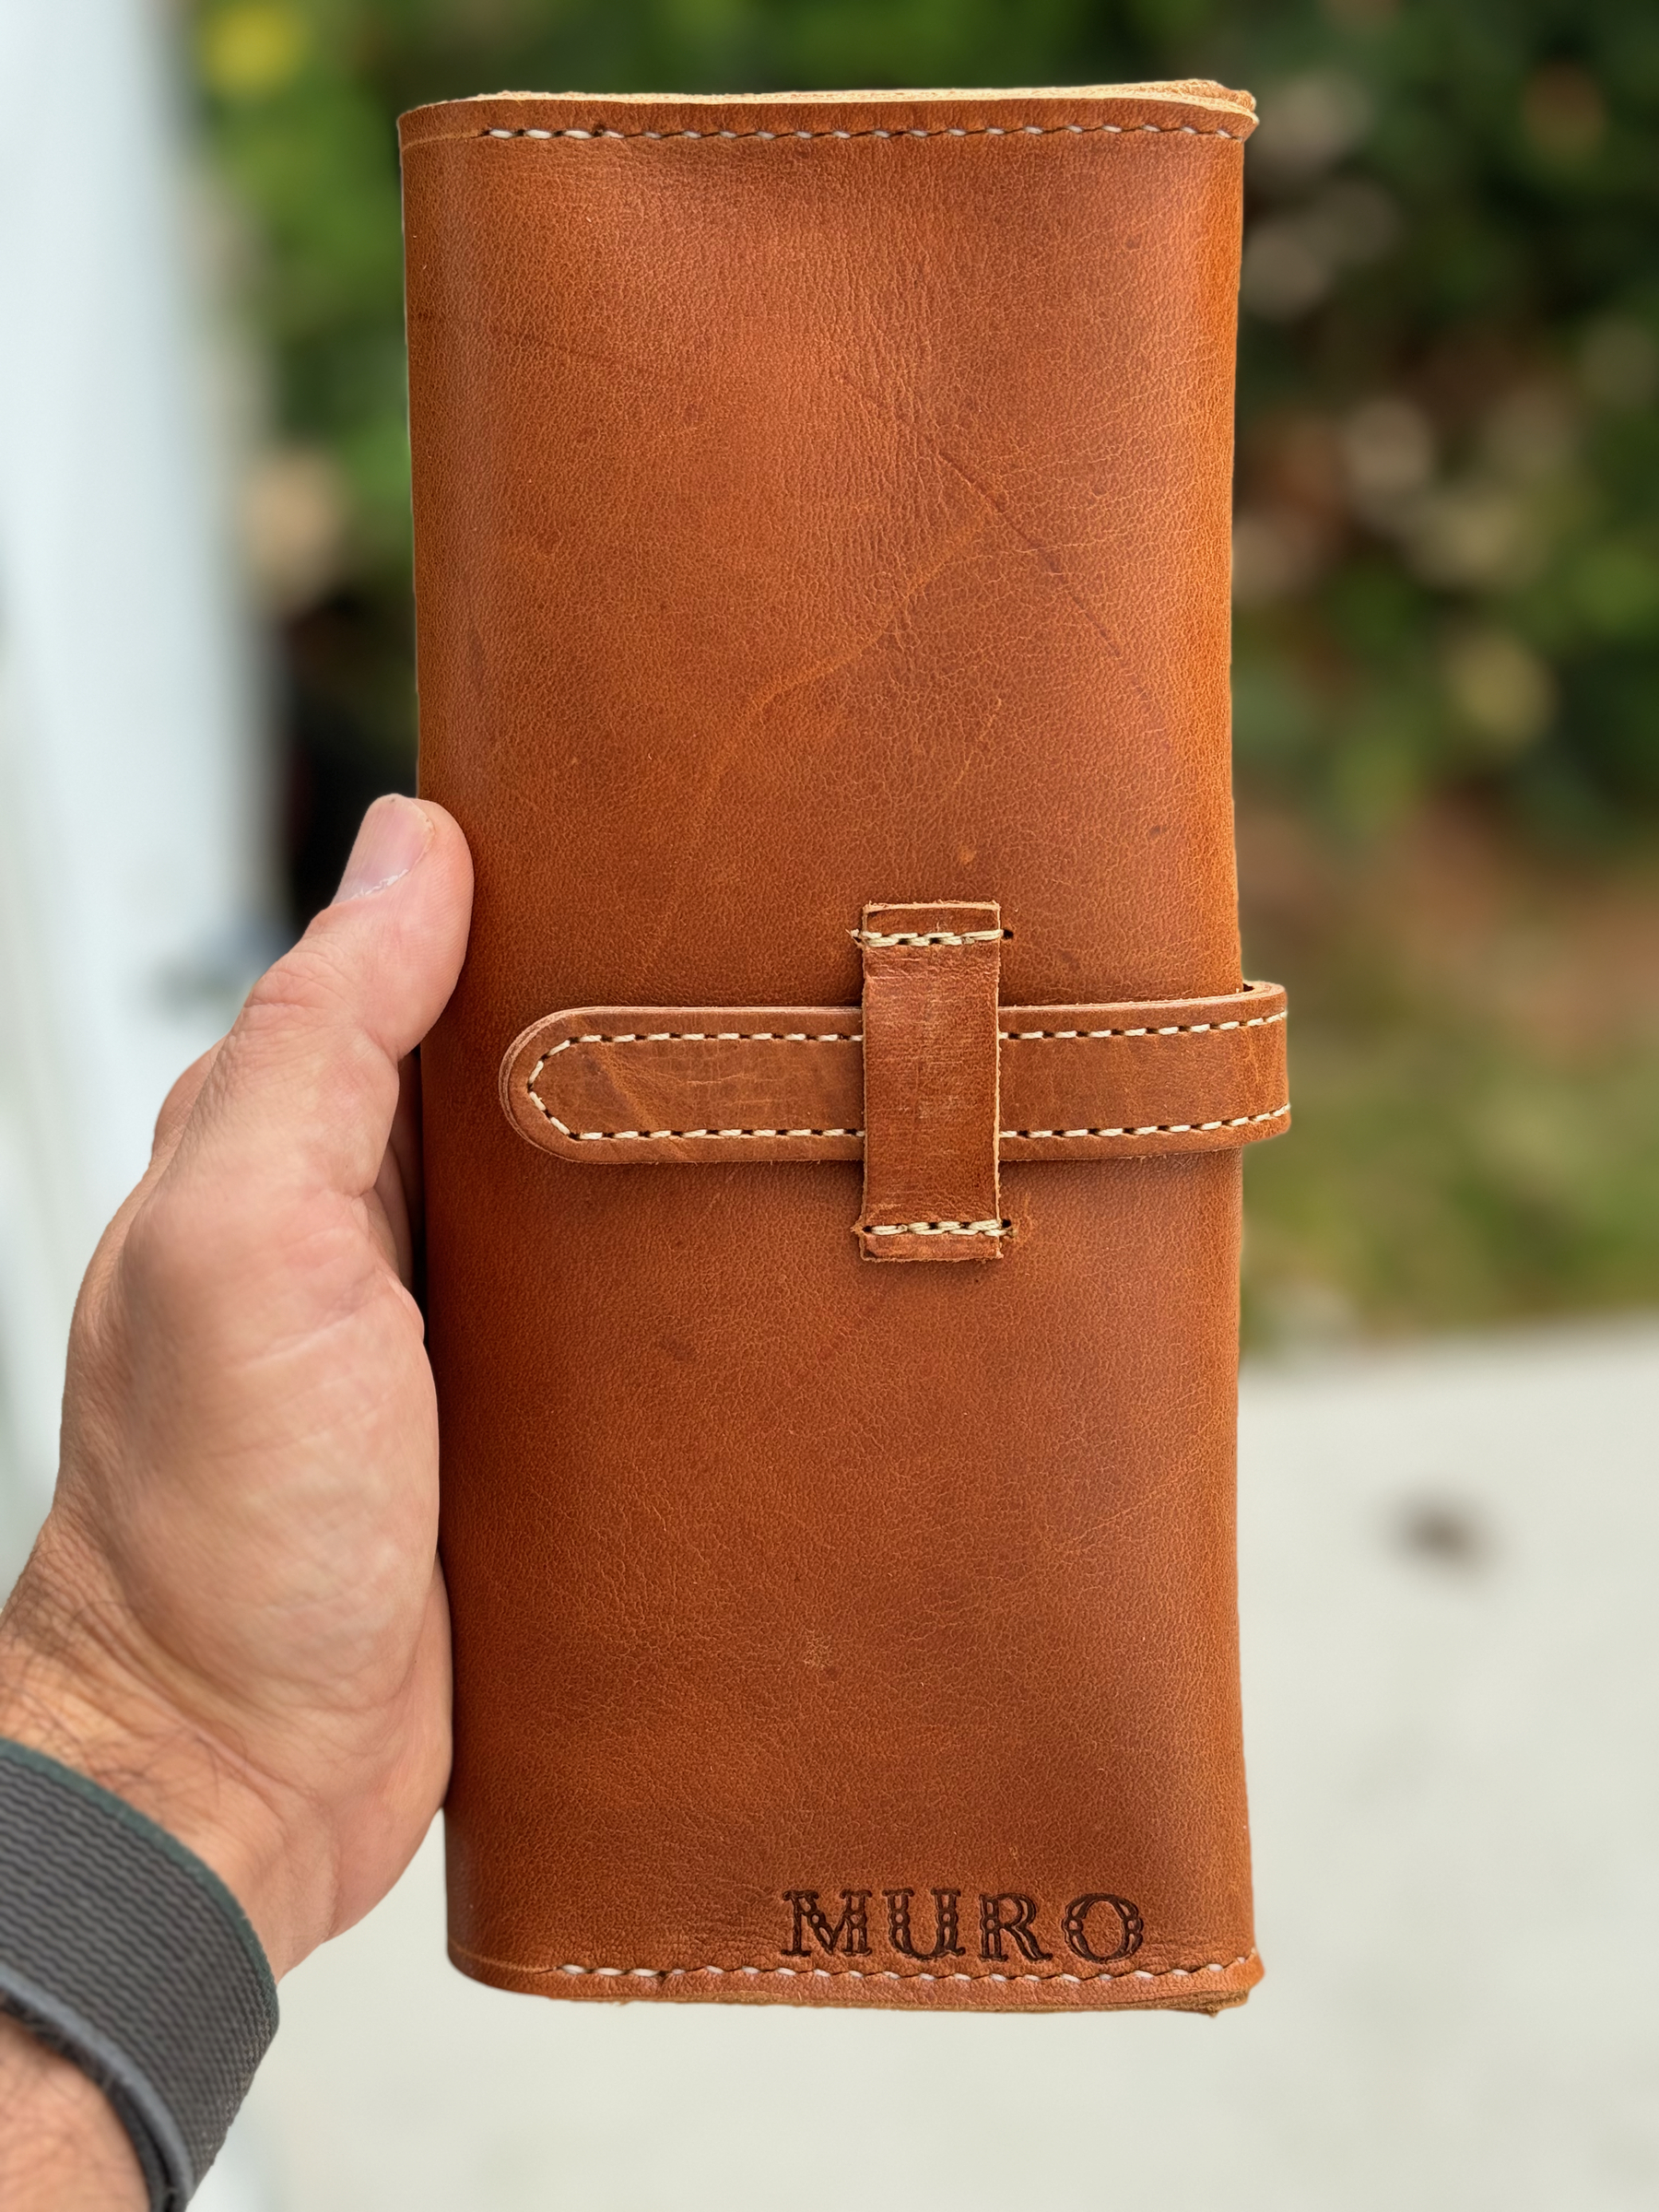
133, 889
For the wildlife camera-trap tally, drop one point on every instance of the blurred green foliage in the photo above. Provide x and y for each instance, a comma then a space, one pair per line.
1448, 553
1447, 556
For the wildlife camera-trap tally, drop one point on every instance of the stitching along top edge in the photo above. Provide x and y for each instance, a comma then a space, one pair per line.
988, 130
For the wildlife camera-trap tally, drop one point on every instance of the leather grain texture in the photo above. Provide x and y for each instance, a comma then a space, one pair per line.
823, 503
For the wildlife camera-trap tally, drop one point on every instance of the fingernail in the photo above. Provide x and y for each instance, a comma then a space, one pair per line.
395, 834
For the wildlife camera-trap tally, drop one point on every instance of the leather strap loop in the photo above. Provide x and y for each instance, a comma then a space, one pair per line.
930, 1083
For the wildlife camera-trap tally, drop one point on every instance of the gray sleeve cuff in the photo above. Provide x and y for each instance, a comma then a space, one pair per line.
120, 1949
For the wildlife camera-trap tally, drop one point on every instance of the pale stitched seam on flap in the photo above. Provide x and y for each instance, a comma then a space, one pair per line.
925, 940
858, 1973
935, 1229
1239, 1121
589, 1136
1173, 1029
987, 130
706, 1037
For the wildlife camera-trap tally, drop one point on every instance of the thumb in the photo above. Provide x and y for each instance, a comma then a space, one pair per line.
174, 1117
306, 1084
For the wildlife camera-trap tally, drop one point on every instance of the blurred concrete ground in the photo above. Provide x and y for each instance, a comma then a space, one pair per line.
1452, 1652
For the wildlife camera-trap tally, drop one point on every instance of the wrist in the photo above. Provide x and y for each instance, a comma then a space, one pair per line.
62, 2148
70, 1688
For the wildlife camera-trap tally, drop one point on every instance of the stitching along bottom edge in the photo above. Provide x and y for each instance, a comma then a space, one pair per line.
1136, 1976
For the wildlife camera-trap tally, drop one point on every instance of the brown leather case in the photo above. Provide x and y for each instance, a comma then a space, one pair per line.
821, 521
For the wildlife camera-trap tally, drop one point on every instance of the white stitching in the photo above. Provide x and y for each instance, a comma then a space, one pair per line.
1177, 1029
702, 1037
1190, 1028
588, 1137
1238, 1120
936, 1229
931, 936
858, 1973
987, 130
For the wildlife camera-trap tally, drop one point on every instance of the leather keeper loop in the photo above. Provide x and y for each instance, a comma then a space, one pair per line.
930, 1083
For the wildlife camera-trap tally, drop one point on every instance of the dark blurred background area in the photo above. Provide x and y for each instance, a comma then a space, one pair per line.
1446, 550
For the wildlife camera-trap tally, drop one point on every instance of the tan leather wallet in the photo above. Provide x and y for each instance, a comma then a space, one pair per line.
833, 1144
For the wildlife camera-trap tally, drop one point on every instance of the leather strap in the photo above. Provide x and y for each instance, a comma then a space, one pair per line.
620, 1085
930, 1083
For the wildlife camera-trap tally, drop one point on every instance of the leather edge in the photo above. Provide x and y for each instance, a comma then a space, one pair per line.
1188, 107
1206, 1988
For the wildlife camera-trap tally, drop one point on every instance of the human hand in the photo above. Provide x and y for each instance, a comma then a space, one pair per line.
234, 1616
